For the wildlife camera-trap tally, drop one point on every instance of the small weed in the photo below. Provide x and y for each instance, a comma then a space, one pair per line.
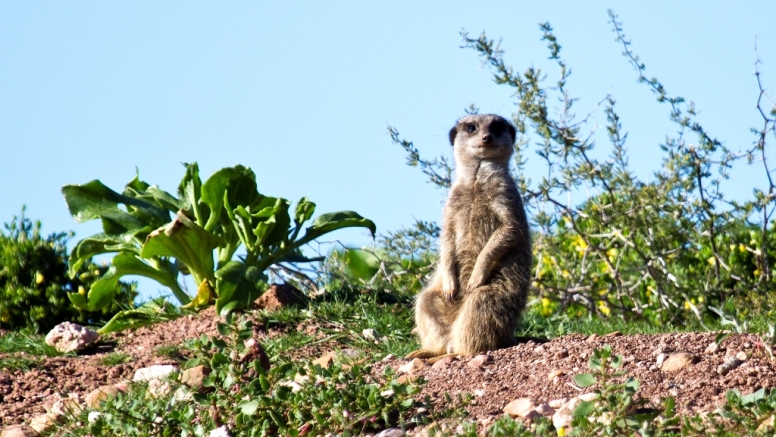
27, 342
115, 358
171, 351
21, 362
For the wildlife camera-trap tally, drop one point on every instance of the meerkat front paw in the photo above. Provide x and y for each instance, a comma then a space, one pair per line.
449, 288
475, 280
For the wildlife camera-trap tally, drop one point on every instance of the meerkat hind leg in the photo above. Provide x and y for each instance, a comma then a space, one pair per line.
432, 318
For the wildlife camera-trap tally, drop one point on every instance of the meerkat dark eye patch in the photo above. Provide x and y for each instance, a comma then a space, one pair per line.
497, 128
470, 128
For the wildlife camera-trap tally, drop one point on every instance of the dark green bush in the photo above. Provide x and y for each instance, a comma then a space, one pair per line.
34, 280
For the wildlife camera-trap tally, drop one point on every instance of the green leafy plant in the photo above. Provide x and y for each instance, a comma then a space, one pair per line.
34, 280
159, 236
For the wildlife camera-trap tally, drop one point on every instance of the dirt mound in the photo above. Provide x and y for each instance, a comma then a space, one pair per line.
543, 372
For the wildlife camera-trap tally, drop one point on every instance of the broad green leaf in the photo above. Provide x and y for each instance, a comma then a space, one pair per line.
282, 221
95, 200
584, 408
190, 192
584, 379
163, 199
753, 398
326, 223
237, 286
248, 407
670, 407
104, 243
228, 278
104, 289
361, 264
632, 384
268, 221
189, 243
264, 382
238, 183
304, 210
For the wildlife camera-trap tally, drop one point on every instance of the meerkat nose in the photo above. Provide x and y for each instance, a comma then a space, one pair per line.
486, 138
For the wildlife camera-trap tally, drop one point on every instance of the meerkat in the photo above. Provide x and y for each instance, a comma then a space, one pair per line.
474, 299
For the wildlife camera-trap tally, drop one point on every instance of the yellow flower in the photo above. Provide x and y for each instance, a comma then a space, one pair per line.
741, 248
547, 307
81, 290
712, 260
561, 432
39, 278
604, 308
580, 243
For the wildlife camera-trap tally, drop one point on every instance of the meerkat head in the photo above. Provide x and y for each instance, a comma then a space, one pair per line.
483, 137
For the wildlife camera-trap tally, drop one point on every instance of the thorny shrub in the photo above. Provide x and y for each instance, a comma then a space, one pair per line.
665, 249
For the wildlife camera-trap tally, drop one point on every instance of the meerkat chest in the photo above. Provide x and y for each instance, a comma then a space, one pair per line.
474, 218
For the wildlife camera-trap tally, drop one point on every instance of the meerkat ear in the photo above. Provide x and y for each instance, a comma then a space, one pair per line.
454, 132
512, 131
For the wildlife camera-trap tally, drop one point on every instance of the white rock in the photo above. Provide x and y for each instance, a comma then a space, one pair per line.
677, 361
413, 366
563, 416
712, 347
545, 410
154, 372
522, 408
20, 430
158, 387
557, 403
70, 337
391, 432
182, 394
221, 431
66, 406
44, 422
371, 334
93, 416
294, 386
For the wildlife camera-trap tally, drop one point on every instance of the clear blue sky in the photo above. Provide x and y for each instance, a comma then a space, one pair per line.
303, 92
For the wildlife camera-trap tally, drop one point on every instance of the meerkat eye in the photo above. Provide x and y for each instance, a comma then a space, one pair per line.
470, 128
